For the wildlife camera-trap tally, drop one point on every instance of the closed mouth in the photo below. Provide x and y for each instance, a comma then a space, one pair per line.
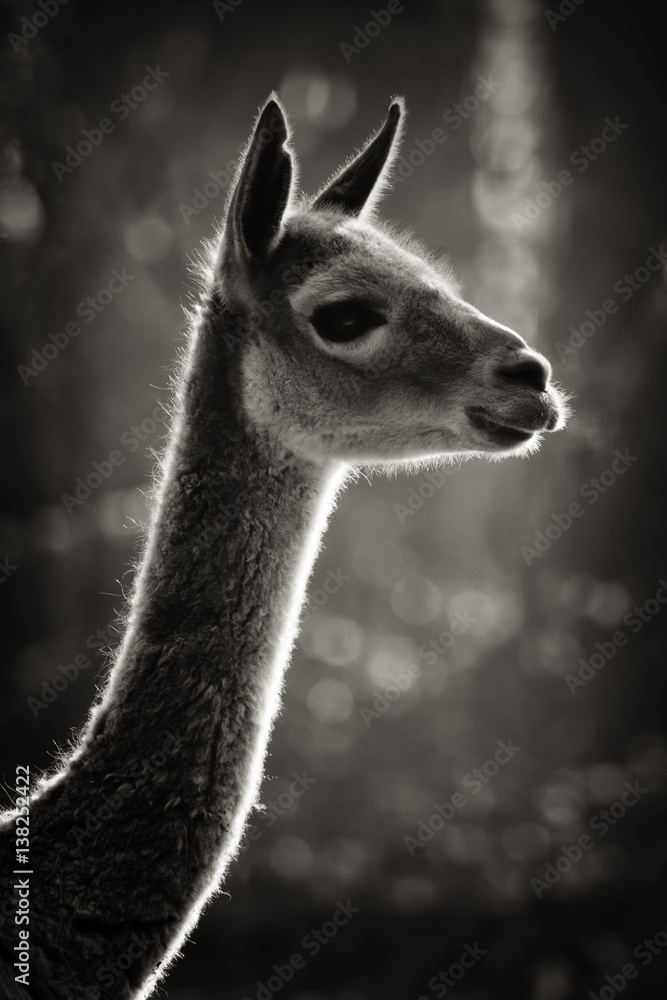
503, 434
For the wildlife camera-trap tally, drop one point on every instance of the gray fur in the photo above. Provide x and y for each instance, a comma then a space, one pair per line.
266, 420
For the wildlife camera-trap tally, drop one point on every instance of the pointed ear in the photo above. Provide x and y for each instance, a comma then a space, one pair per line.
362, 181
263, 187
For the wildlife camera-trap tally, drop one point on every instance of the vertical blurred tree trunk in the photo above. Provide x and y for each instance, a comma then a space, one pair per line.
609, 64
43, 397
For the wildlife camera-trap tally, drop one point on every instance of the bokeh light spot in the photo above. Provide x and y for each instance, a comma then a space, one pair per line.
291, 857
329, 102
525, 841
330, 701
413, 893
148, 239
21, 213
344, 858
416, 600
390, 655
333, 639
467, 844
607, 603
377, 560
605, 781
562, 799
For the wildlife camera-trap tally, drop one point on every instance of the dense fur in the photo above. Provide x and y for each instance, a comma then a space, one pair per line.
133, 833
202, 662
405, 389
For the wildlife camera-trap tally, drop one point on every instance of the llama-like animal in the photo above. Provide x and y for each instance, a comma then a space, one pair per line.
321, 343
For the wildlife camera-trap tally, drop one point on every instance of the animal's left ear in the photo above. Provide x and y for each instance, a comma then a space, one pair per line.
361, 182
262, 191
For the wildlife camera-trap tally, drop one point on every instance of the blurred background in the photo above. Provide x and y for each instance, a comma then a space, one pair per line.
443, 616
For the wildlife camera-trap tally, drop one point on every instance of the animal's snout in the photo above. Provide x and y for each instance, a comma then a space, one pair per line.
527, 368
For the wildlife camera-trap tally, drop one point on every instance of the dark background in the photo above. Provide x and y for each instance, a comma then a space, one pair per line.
407, 573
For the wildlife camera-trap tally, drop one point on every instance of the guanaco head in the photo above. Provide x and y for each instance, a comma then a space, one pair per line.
357, 347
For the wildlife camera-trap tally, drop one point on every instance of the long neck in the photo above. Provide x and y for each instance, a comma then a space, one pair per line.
136, 830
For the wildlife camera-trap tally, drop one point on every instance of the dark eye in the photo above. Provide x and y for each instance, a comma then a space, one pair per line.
342, 321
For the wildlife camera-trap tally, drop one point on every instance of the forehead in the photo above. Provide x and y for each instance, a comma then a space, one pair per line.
324, 255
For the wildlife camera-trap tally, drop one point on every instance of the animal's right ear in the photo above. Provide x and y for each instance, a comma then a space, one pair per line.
262, 189
360, 183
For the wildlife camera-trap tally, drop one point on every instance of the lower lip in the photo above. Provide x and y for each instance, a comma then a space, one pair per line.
498, 432
507, 436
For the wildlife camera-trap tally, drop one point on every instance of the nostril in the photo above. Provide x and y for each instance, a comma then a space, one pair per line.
531, 371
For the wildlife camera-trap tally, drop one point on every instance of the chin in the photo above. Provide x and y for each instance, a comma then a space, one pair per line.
528, 446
